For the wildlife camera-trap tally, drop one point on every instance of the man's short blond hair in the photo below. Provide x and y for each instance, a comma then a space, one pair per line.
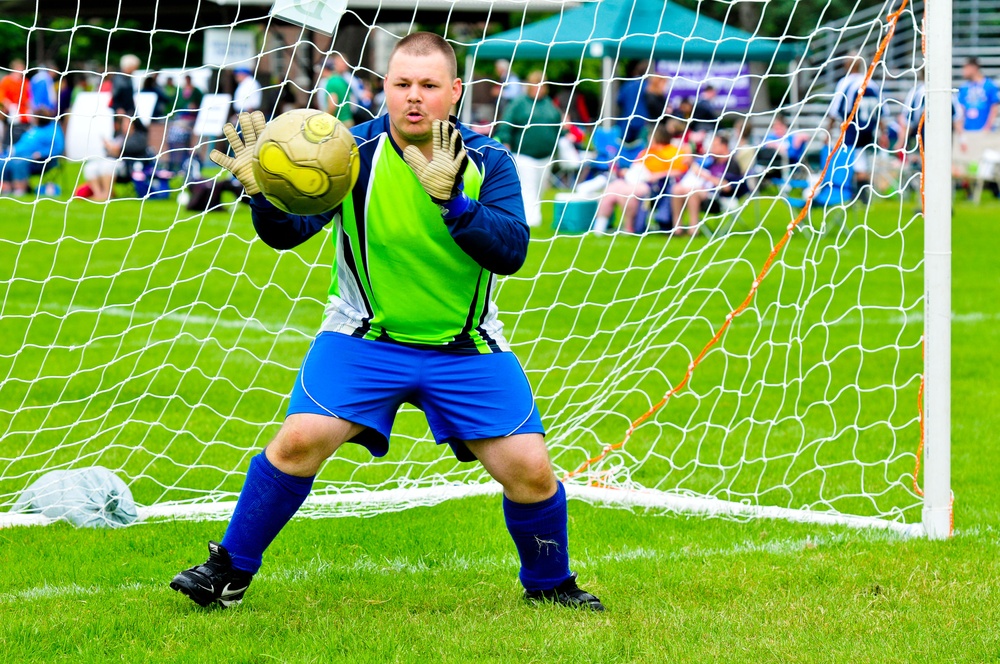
427, 43
130, 62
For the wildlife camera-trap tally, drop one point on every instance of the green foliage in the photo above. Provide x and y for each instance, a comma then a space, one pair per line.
13, 40
779, 17
95, 43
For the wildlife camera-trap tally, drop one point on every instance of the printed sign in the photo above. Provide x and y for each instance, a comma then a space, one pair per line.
90, 124
731, 80
320, 15
227, 48
145, 105
213, 115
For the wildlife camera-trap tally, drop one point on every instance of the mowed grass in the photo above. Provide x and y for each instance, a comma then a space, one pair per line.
162, 344
134, 386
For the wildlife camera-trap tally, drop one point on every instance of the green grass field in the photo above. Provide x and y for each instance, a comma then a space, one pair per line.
162, 344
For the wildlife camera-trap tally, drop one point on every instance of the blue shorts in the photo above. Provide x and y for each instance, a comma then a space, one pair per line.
465, 397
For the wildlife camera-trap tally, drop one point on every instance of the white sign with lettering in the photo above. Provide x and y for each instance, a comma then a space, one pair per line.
228, 48
320, 15
213, 115
90, 124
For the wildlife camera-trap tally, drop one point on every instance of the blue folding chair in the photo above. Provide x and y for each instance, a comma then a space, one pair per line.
606, 144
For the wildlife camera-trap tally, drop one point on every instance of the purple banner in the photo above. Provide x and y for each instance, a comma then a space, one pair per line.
730, 79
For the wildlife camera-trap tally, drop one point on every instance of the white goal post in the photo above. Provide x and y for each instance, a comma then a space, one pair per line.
938, 192
791, 360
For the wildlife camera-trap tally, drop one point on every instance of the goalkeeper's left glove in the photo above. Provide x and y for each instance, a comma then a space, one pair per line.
441, 177
241, 163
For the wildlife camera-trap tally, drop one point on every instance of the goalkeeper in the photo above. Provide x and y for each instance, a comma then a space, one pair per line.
435, 214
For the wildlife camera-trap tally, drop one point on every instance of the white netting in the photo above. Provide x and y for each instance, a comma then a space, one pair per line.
162, 342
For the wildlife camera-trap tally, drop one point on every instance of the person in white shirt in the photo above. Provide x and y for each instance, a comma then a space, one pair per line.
246, 97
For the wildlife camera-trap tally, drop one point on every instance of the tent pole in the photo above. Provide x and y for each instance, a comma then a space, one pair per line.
608, 76
793, 84
465, 111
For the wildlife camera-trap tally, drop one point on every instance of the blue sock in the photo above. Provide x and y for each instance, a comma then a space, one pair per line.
539, 532
268, 500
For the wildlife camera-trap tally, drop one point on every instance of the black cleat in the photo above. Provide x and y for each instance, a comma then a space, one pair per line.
216, 580
566, 593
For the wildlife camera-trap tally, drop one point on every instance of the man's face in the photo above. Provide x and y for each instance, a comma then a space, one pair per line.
657, 84
418, 90
970, 72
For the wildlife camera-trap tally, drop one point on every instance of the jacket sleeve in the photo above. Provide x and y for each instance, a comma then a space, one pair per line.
493, 230
280, 230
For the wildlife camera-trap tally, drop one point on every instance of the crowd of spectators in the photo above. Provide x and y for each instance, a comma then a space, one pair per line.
706, 160
684, 150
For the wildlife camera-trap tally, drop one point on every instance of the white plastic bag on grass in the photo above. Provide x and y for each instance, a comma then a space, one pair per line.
86, 497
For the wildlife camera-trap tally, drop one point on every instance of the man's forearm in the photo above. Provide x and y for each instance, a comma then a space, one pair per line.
280, 230
496, 240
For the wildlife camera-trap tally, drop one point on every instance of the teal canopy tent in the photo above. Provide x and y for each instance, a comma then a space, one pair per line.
614, 30
651, 29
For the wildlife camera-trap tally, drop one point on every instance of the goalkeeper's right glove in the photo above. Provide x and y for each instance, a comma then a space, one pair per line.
241, 163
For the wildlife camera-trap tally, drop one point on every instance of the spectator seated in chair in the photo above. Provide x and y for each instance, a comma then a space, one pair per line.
715, 175
36, 146
648, 177
128, 147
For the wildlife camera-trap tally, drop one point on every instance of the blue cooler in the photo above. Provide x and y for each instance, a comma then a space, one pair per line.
572, 213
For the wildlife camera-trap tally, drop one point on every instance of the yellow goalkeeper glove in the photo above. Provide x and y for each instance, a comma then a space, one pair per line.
240, 164
440, 177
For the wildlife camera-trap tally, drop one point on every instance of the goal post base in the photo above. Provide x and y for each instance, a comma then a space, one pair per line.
937, 523
370, 503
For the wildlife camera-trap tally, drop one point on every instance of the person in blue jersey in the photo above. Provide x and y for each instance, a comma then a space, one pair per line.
642, 102
43, 91
435, 215
43, 141
979, 99
861, 134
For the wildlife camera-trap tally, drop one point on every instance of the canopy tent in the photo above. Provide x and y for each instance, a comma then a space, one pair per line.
613, 30
650, 29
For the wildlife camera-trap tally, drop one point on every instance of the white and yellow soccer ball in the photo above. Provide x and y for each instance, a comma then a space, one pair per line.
306, 161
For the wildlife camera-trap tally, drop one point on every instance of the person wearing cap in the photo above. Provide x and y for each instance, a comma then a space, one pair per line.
705, 114
247, 96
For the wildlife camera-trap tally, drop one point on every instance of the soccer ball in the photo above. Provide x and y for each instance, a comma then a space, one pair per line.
306, 162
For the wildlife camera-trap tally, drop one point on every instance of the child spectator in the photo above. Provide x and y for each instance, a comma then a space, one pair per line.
657, 168
715, 174
130, 142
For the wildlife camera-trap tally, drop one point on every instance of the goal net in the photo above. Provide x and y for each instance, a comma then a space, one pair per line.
770, 365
